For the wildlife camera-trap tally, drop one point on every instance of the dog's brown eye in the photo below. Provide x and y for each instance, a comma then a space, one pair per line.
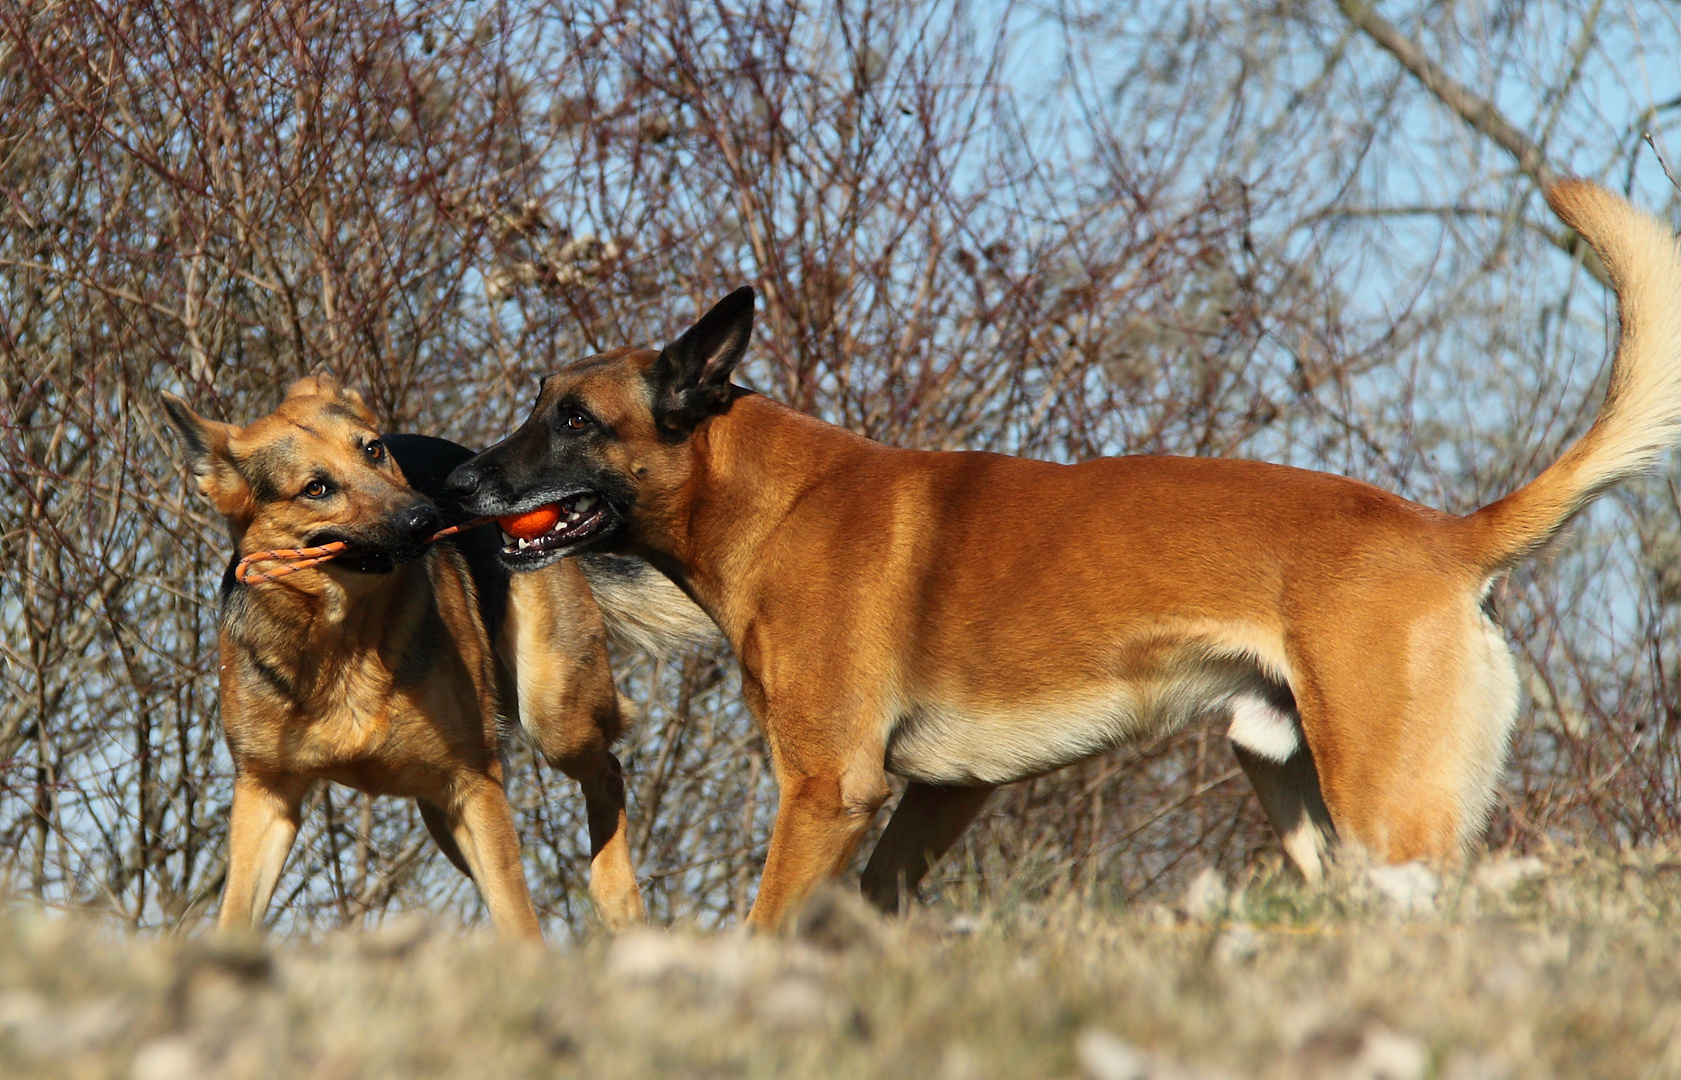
375, 450
577, 421
315, 489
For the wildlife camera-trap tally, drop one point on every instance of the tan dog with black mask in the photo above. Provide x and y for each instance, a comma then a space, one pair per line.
382, 668
967, 620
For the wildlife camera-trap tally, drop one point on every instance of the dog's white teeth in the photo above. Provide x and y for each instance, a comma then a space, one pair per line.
507, 539
524, 543
584, 504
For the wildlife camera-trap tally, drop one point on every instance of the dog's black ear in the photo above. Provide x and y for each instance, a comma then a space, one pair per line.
206, 444
691, 378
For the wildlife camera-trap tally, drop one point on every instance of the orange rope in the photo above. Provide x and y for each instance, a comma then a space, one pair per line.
294, 559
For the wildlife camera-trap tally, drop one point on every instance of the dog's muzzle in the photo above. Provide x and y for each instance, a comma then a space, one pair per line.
403, 538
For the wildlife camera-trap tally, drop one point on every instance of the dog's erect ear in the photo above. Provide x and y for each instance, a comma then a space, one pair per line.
691, 378
201, 440
324, 384
205, 442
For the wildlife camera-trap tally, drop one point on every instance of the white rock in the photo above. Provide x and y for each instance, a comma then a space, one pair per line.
1411, 887
1388, 1055
959, 1062
1206, 897
46, 1031
1502, 875
171, 1058
1103, 1056
1237, 943
726, 962
20, 1009
792, 1002
646, 955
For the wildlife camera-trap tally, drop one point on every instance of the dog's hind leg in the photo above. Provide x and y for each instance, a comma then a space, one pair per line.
924, 826
612, 874
1289, 793
1409, 723
437, 823
1266, 737
483, 827
260, 835
554, 648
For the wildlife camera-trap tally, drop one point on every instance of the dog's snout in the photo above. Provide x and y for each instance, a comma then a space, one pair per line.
464, 479
419, 522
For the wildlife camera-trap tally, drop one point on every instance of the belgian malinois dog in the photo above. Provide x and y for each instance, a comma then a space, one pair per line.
967, 619
383, 669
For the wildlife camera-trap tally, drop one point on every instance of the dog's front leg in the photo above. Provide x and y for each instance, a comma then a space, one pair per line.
819, 821
483, 827
260, 835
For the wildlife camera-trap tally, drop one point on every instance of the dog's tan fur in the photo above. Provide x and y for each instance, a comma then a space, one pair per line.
967, 619
388, 682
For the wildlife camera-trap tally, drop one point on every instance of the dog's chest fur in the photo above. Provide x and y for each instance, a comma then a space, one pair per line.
369, 699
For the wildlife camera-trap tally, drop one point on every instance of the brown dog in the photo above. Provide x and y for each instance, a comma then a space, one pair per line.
376, 669
968, 620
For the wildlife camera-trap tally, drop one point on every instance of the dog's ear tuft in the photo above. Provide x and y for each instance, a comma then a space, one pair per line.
319, 383
353, 401
691, 378
206, 444
324, 384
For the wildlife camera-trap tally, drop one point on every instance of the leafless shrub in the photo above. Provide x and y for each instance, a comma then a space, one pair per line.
1186, 244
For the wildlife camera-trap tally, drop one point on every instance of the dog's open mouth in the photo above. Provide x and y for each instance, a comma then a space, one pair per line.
550, 528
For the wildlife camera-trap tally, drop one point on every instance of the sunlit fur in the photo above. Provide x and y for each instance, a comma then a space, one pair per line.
387, 682
969, 619
642, 608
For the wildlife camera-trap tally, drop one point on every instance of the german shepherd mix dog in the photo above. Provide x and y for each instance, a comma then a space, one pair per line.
966, 619
377, 669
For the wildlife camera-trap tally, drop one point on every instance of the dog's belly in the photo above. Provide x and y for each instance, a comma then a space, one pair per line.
945, 742
940, 745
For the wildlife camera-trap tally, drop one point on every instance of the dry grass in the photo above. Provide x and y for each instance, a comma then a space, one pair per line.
1570, 973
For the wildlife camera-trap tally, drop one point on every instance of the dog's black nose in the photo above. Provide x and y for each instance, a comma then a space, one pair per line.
420, 522
463, 479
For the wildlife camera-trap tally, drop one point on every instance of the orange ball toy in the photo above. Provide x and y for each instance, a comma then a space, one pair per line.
531, 524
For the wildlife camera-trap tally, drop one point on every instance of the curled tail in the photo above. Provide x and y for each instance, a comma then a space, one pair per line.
1641, 417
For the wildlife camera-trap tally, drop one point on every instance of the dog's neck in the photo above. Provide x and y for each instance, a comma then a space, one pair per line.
739, 494
294, 634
